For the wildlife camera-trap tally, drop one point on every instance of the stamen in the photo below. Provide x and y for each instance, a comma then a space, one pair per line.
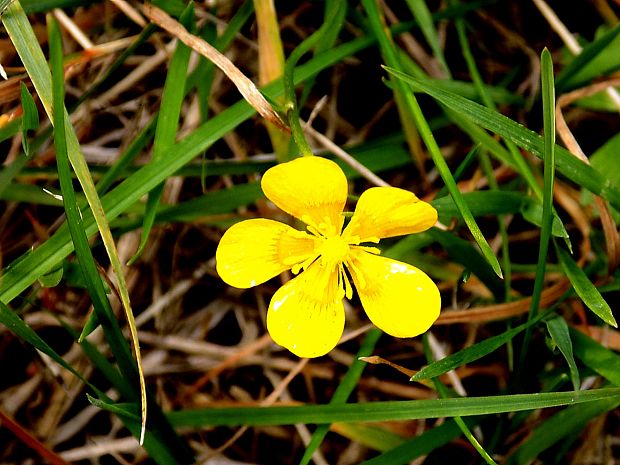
354, 270
305, 264
348, 290
341, 290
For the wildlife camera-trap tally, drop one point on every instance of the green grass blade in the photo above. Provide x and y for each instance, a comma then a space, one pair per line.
61, 124
558, 329
533, 213
413, 109
577, 72
345, 387
167, 122
471, 353
385, 411
402, 94
421, 445
605, 161
600, 359
425, 20
548, 107
30, 117
41, 6
562, 424
584, 288
567, 164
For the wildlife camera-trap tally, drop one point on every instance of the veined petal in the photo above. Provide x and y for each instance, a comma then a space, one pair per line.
389, 211
398, 298
306, 315
313, 189
254, 251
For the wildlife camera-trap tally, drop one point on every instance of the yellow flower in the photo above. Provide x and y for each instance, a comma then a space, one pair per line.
306, 315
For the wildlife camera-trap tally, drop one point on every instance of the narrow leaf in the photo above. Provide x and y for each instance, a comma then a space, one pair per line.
584, 288
558, 329
558, 427
548, 107
600, 359
63, 134
167, 122
566, 163
385, 411
30, 117
471, 353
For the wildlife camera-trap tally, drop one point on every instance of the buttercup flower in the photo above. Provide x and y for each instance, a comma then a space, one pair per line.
306, 315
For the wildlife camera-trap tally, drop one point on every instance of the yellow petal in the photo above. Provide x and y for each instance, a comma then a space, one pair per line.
313, 189
398, 298
254, 251
306, 315
389, 211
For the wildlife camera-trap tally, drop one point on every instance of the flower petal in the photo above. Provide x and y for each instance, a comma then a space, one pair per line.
398, 298
313, 189
389, 211
254, 251
306, 315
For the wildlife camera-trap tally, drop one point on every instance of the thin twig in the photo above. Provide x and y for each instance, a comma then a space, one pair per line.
344, 156
72, 29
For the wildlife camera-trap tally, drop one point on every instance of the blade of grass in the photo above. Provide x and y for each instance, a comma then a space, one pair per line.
567, 164
27, 123
472, 353
548, 105
343, 391
74, 220
412, 106
385, 411
465, 253
167, 122
425, 20
30, 117
389, 52
584, 288
562, 424
600, 359
558, 329
519, 161
423, 444
577, 72
460, 170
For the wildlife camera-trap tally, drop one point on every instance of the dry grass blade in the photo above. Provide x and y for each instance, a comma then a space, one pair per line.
245, 86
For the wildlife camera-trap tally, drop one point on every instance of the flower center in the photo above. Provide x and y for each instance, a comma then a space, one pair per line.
334, 250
